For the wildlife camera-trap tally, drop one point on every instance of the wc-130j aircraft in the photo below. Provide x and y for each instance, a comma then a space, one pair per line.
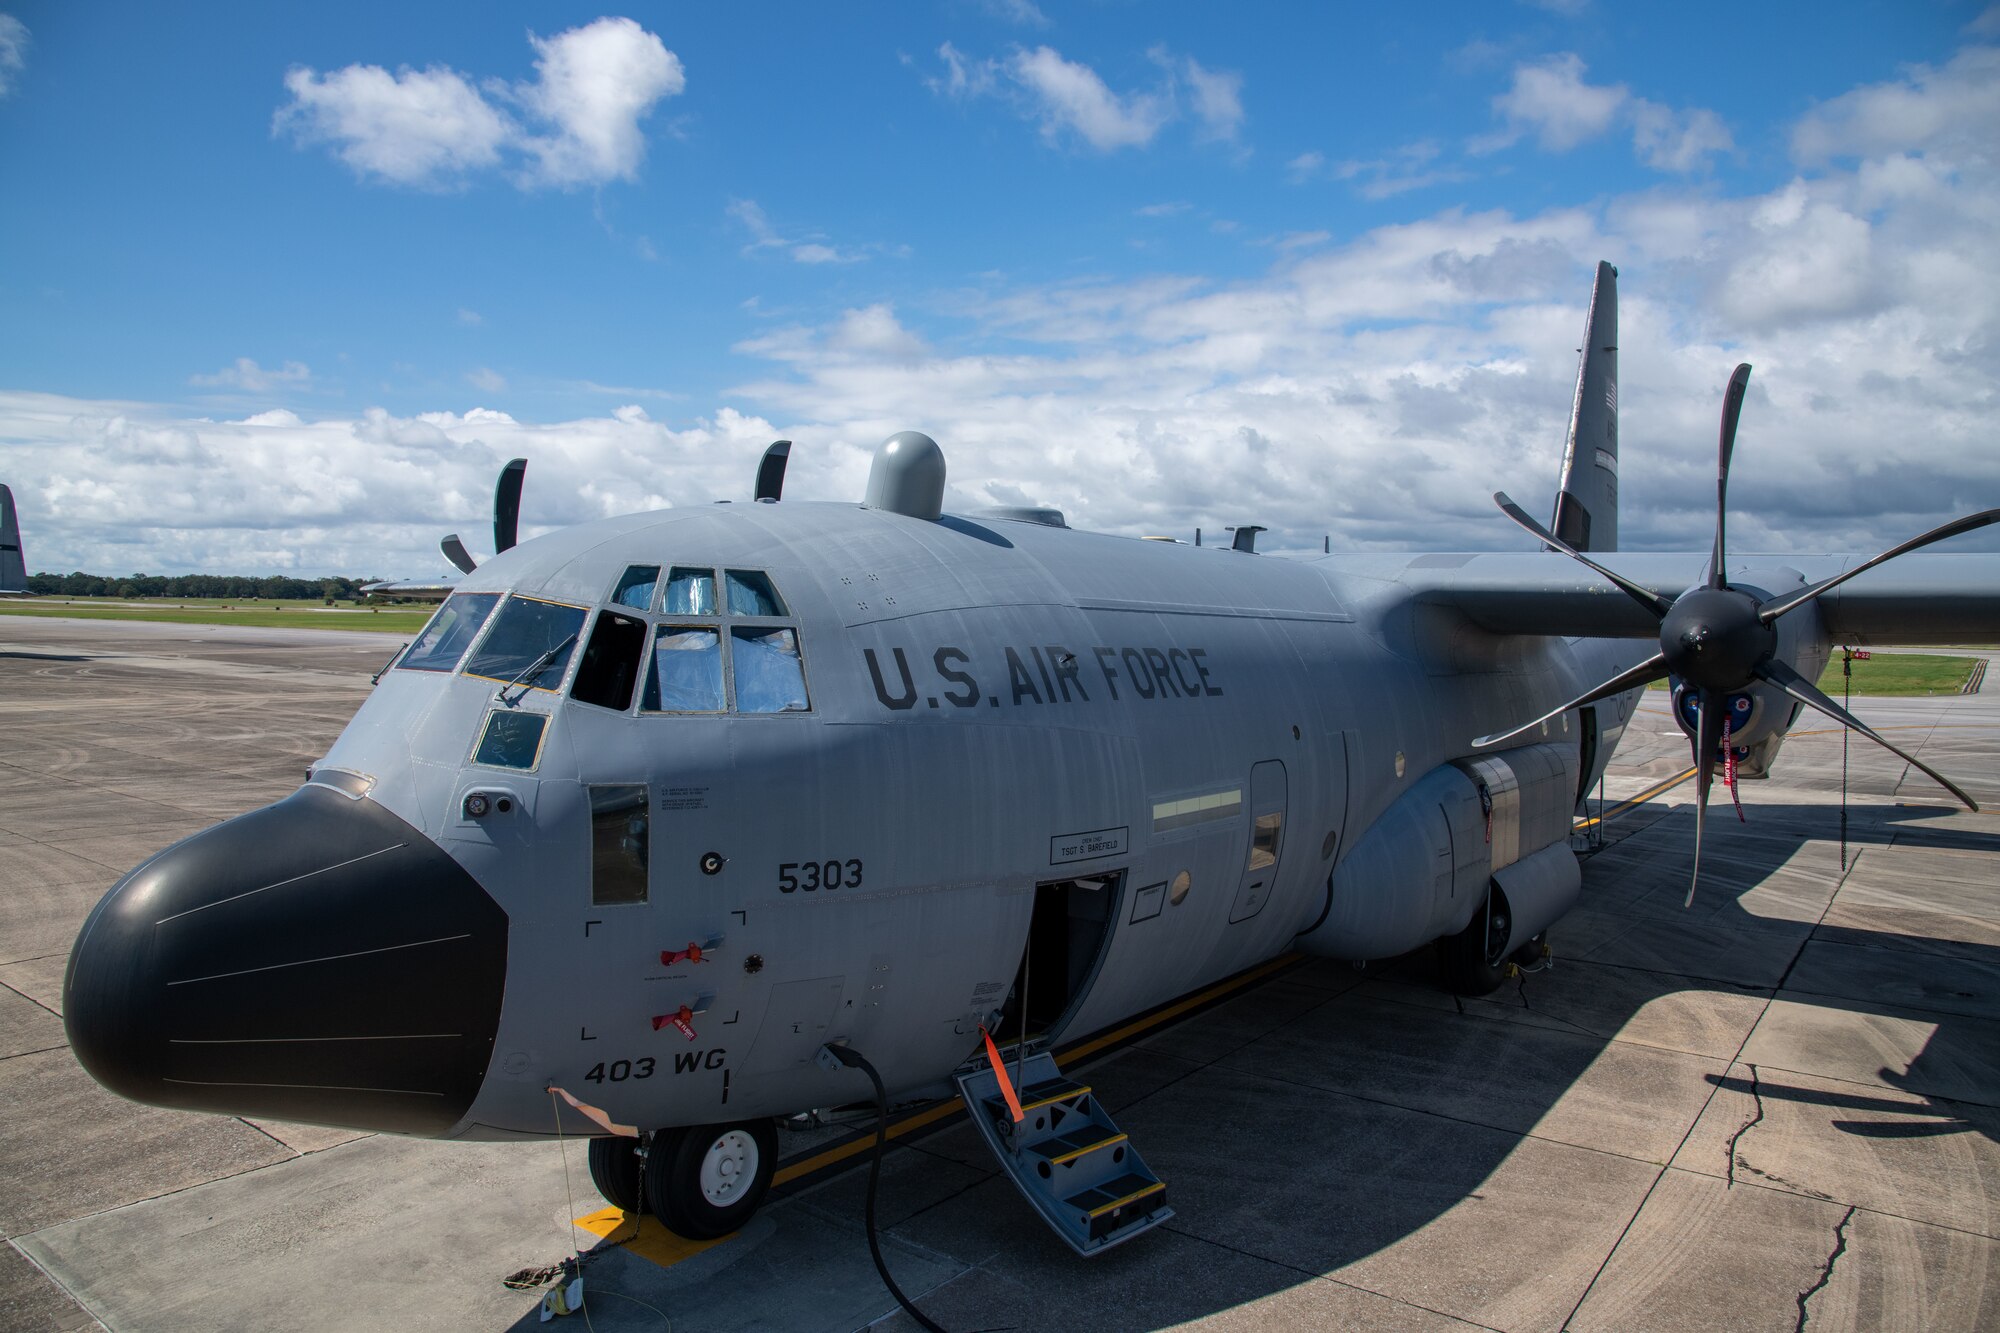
682, 811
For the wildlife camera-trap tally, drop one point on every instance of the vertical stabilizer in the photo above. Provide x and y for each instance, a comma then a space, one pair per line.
1587, 501
13, 568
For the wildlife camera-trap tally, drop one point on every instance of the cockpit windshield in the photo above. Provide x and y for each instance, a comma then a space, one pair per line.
451, 631
527, 630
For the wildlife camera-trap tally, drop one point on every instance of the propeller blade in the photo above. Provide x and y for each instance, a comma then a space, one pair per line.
1648, 671
771, 472
1647, 598
1714, 705
454, 551
1777, 606
1792, 683
507, 506
1732, 408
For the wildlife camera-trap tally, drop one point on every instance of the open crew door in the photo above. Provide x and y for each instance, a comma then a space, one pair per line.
1067, 935
1267, 840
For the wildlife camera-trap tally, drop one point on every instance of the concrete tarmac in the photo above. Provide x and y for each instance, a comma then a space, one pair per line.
1777, 1109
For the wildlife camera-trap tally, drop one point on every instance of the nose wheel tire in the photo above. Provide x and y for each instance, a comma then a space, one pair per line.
614, 1169
706, 1181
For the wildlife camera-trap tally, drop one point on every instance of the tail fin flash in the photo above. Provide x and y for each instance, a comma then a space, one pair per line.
13, 568
1587, 502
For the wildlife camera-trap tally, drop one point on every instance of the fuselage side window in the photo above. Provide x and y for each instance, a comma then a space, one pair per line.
451, 632
635, 587
1266, 832
751, 594
690, 592
769, 675
610, 665
685, 673
619, 837
530, 643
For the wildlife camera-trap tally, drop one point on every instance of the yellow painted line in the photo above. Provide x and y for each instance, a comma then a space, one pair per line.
1075, 1153
1656, 789
792, 1171
1153, 1188
1096, 1044
1063, 1095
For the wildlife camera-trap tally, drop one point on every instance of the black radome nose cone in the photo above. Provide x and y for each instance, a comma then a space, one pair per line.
316, 960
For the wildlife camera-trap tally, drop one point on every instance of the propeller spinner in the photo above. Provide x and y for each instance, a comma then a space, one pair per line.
1718, 639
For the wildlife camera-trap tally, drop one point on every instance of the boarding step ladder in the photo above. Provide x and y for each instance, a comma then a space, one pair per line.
1078, 1169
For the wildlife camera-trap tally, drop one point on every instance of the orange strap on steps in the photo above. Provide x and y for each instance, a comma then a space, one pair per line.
1000, 1072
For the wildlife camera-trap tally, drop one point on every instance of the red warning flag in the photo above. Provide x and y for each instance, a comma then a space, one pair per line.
690, 954
1000, 1073
683, 1019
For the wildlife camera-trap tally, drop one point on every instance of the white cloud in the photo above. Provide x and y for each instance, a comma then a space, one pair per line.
250, 377
1680, 143
1550, 99
1021, 12
433, 128
764, 235
1377, 387
1218, 100
471, 319
594, 84
1305, 166
414, 127
1069, 98
486, 380
13, 51
1953, 111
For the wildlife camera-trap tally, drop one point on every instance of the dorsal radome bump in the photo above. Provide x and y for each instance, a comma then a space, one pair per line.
908, 476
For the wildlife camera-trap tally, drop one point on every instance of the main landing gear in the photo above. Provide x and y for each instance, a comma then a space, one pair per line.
701, 1182
1478, 959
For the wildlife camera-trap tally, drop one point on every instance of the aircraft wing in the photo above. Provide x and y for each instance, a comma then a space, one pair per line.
1923, 598
421, 590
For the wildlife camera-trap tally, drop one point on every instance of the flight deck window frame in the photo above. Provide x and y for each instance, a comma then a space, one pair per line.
574, 655
724, 623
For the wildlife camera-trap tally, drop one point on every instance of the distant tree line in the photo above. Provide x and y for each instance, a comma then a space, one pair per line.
273, 588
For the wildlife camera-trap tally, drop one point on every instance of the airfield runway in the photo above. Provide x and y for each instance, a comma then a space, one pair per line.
1777, 1110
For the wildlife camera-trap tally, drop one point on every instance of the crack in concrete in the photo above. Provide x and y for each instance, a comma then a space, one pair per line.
1746, 1127
1826, 1272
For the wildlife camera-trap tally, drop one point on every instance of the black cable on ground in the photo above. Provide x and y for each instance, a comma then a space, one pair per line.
855, 1060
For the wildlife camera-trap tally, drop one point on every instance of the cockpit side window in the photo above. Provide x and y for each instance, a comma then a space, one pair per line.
610, 666
635, 587
451, 631
530, 643
751, 594
690, 592
685, 673
769, 676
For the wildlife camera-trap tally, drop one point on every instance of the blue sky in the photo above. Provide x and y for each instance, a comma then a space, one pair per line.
284, 286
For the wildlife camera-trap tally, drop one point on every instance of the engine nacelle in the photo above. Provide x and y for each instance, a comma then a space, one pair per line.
1760, 714
1423, 867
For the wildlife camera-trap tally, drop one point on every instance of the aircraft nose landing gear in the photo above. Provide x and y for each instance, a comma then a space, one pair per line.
702, 1182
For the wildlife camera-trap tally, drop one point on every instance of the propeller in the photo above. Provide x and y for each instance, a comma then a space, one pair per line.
1718, 639
506, 518
771, 471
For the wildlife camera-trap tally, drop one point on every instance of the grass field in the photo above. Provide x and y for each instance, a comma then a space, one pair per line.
201, 611
1895, 674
